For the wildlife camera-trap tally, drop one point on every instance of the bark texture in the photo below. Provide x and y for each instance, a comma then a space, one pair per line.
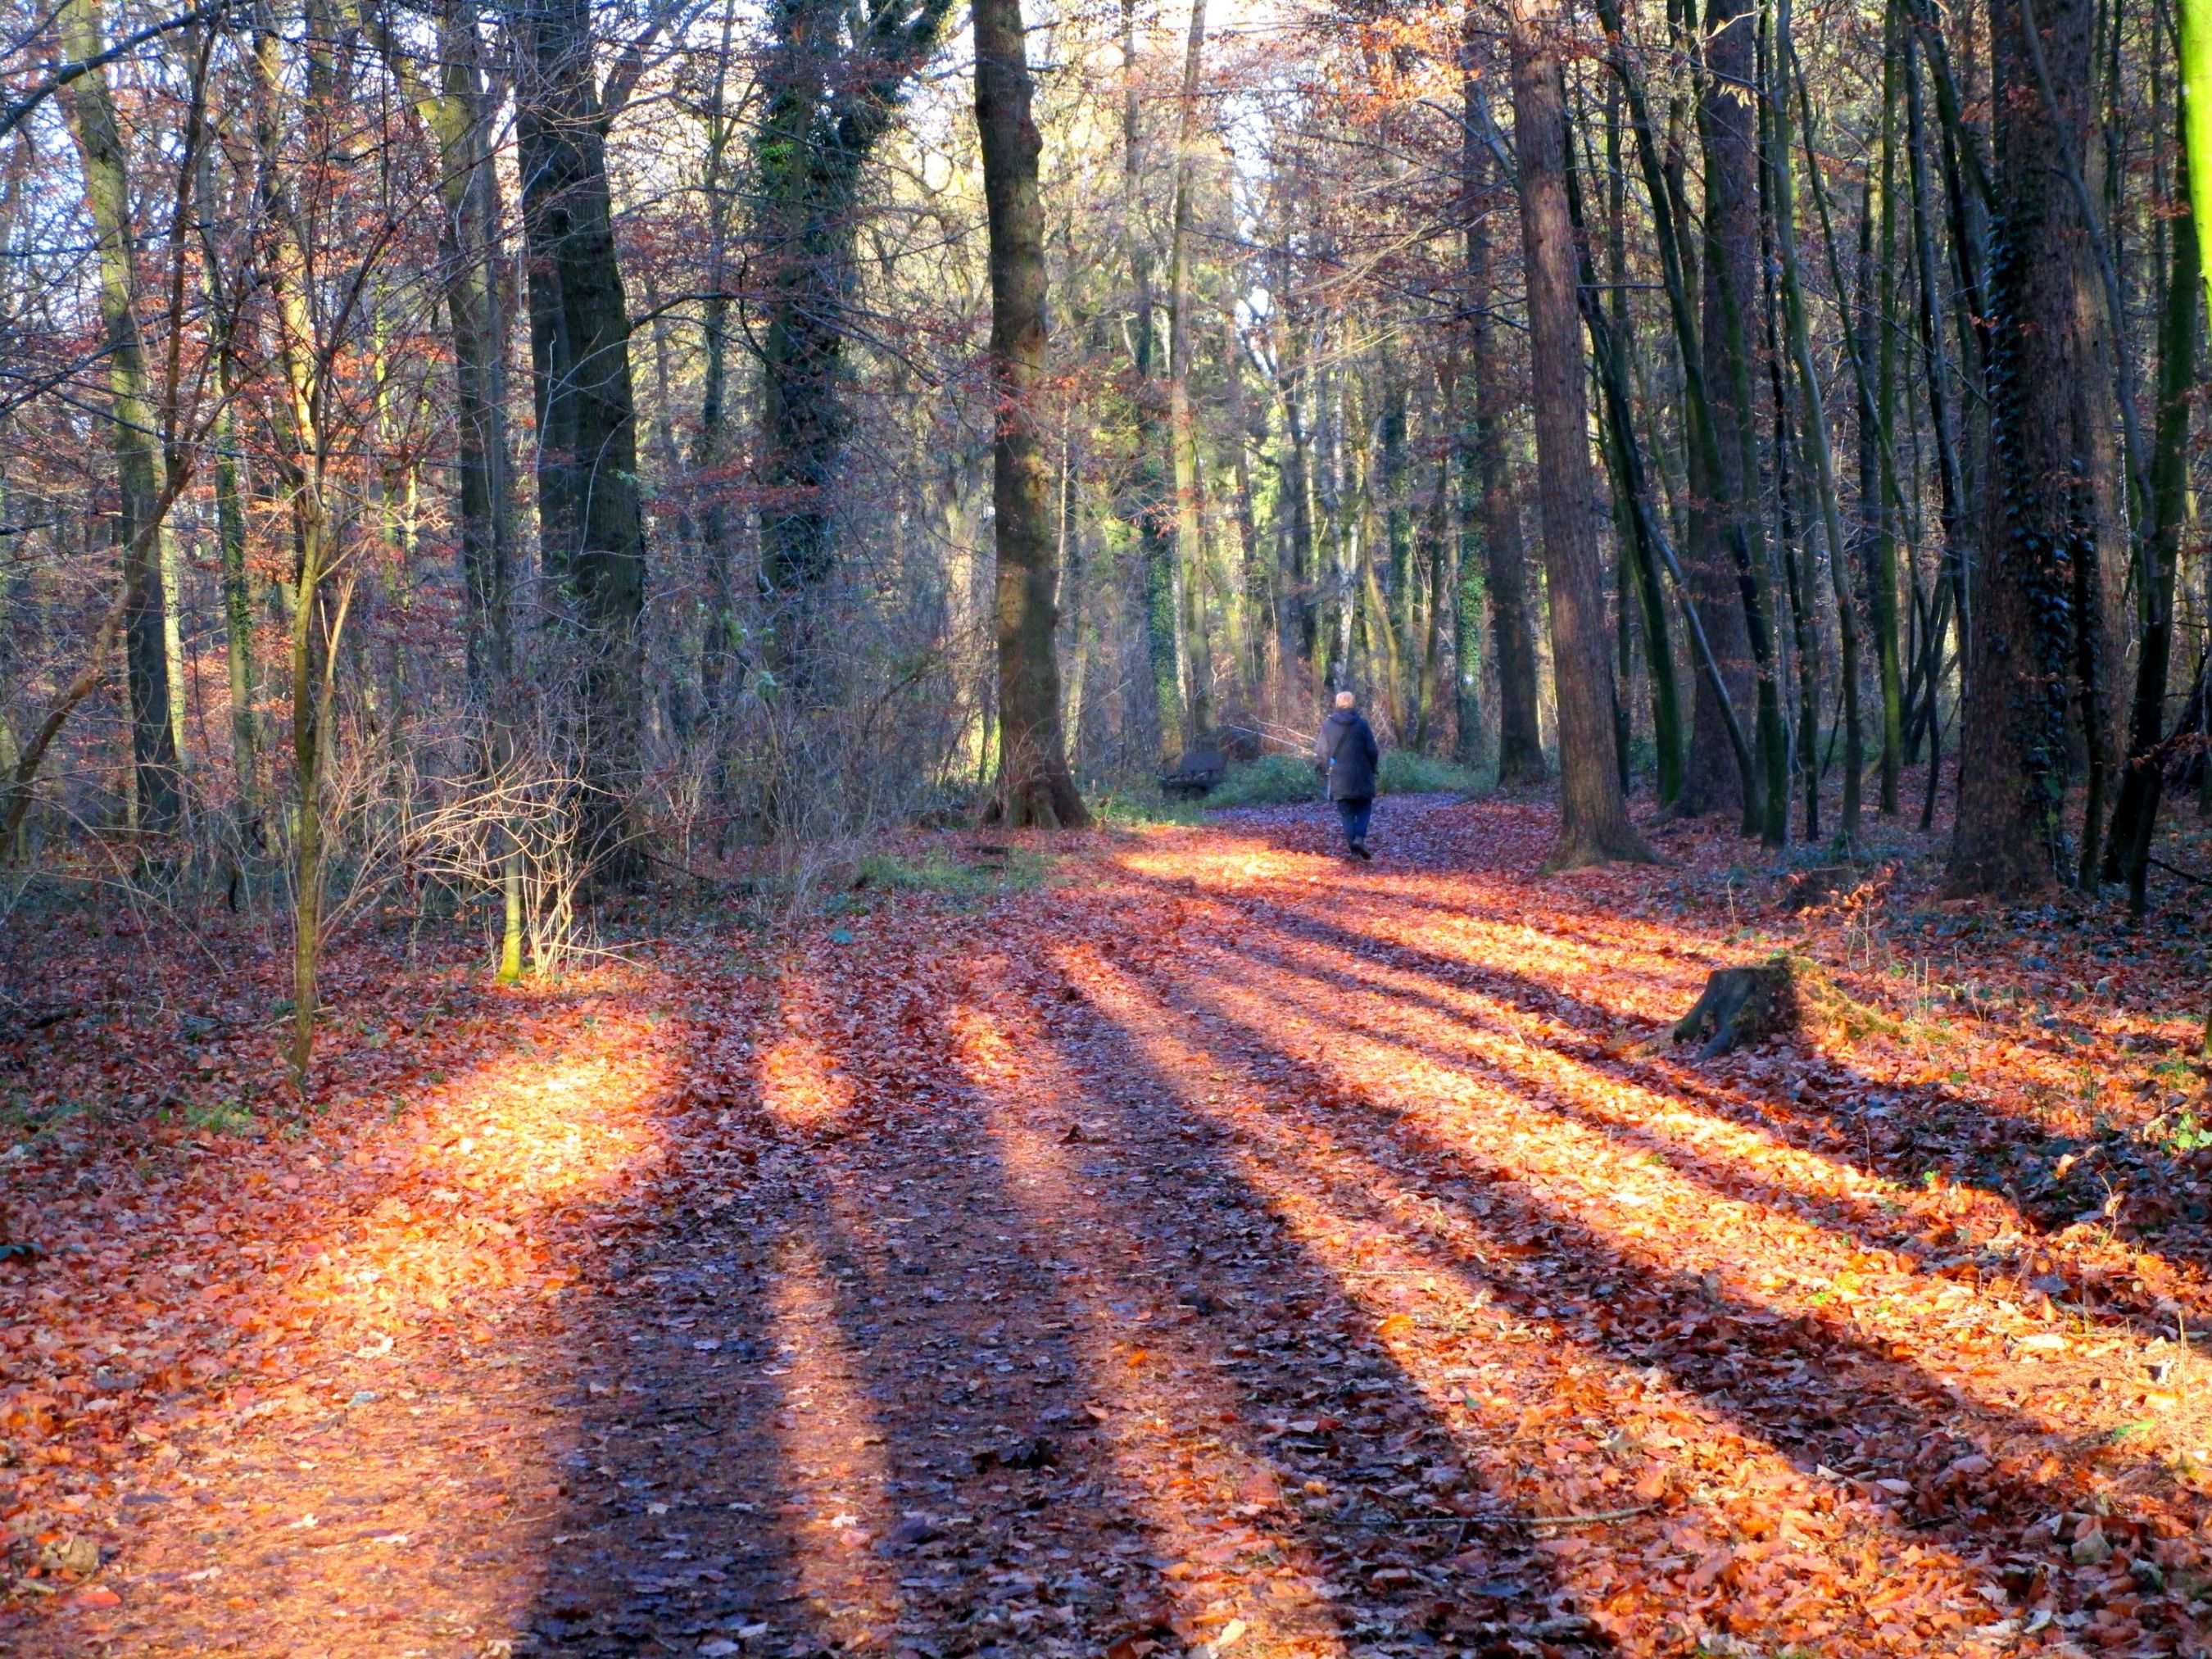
832, 84
1727, 537
132, 426
1504, 556
2012, 786
591, 528
1593, 826
1035, 787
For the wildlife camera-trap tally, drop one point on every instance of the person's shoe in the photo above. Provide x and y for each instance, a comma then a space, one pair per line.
1360, 850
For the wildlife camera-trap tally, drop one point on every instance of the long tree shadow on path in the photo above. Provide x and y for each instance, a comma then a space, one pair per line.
1871, 1124
1812, 1390
939, 1380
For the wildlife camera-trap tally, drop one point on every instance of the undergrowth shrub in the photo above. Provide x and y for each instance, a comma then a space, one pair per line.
1271, 781
1015, 871
1140, 802
1282, 780
1407, 772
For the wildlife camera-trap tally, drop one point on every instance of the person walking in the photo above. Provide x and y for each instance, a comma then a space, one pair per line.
1348, 754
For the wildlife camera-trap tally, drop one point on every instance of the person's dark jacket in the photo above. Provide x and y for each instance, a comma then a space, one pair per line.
1348, 750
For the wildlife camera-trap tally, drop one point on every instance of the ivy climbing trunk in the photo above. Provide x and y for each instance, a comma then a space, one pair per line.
591, 525
2009, 837
132, 426
832, 79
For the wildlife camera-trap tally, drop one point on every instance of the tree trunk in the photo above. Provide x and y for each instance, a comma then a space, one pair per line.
1148, 506
457, 112
1262, 648
1035, 787
1506, 560
1594, 822
1188, 559
1394, 475
2195, 69
830, 98
2136, 816
1700, 423
1301, 623
301, 360
2012, 786
1877, 374
230, 516
1729, 127
1935, 369
470, 186
133, 428
591, 526
1643, 564
1469, 584
1820, 455
1712, 782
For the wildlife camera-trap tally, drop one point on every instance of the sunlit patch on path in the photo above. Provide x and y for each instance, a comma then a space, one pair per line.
1220, 1250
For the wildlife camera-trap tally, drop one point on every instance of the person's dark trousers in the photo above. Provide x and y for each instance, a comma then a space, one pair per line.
1355, 814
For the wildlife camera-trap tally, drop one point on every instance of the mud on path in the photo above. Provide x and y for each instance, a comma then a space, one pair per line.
1217, 1250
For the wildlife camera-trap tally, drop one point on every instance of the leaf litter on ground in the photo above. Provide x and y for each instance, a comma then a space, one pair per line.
1218, 1248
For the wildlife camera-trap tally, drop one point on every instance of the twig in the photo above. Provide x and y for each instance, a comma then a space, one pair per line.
2186, 875
38, 1021
1599, 1518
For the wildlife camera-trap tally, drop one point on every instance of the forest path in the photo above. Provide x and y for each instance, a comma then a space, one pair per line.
1220, 1248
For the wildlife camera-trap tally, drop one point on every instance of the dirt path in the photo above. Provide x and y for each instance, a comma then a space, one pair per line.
1219, 1250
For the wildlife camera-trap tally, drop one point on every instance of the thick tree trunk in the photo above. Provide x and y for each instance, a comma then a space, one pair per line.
454, 109
1035, 787
1707, 463
591, 526
1505, 558
470, 188
829, 97
1594, 825
2195, 69
132, 427
1733, 546
457, 112
1712, 782
2011, 787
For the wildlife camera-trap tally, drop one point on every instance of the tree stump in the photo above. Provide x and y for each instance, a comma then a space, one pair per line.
1742, 1004
1809, 890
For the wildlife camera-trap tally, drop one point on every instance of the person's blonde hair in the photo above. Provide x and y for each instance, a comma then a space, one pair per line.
1345, 700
